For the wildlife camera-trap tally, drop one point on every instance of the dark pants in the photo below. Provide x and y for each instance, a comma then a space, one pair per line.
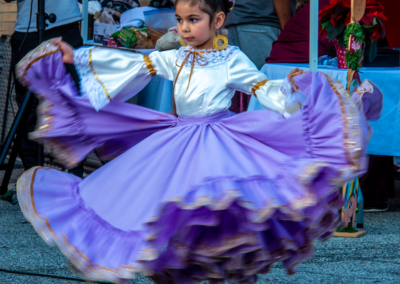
240, 102
377, 184
70, 33
256, 42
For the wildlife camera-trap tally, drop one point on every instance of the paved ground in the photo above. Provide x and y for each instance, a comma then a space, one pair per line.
374, 258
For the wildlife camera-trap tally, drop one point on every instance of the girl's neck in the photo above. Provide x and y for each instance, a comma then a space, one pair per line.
206, 45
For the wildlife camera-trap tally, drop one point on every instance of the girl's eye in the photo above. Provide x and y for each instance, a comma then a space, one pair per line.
194, 20
179, 20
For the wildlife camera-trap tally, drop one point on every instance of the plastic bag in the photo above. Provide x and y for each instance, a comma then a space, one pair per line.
133, 38
120, 5
134, 17
161, 4
160, 19
93, 7
107, 16
170, 40
327, 60
154, 35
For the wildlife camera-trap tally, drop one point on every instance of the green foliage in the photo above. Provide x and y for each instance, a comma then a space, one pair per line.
324, 25
365, 33
335, 31
356, 30
353, 59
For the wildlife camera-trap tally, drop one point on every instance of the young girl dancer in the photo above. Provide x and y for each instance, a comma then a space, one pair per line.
199, 195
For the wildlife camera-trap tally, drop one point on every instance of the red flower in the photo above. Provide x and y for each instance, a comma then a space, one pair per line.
333, 7
338, 9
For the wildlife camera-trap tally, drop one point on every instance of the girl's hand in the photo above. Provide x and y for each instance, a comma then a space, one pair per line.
67, 51
290, 76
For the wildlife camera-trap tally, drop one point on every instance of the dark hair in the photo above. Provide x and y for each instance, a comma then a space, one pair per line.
301, 3
211, 7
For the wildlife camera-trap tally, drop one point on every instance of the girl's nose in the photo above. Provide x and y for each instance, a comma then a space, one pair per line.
185, 26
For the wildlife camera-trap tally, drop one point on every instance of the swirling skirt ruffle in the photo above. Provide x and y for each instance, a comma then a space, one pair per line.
195, 199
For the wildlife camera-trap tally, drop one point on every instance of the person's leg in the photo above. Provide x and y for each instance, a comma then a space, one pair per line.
73, 37
28, 151
377, 184
234, 40
78, 170
235, 102
70, 33
233, 37
19, 50
256, 41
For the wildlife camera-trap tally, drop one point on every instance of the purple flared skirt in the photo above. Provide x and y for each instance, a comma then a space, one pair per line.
210, 198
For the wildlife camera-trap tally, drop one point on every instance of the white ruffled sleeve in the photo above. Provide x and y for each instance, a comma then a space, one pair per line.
108, 74
275, 95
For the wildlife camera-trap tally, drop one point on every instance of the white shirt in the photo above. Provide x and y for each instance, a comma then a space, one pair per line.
118, 75
66, 11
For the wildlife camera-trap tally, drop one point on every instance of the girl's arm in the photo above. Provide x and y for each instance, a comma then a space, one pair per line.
276, 95
108, 74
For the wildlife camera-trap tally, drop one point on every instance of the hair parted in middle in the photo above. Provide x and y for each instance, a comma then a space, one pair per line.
211, 7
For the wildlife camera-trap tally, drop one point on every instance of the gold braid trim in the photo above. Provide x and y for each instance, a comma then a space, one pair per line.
361, 91
300, 72
257, 86
149, 65
292, 82
96, 76
36, 60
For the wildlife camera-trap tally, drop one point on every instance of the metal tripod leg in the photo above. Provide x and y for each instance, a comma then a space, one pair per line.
20, 120
10, 165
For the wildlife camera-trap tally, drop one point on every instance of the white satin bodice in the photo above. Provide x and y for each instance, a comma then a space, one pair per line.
109, 74
207, 92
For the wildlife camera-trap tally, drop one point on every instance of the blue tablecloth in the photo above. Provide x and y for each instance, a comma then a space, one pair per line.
386, 137
156, 95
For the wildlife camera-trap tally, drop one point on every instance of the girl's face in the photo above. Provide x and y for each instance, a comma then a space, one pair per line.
194, 25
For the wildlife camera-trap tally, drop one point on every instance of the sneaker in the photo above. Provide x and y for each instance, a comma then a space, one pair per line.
10, 196
377, 208
14, 198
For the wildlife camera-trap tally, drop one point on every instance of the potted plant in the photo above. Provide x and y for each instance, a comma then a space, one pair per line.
352, 40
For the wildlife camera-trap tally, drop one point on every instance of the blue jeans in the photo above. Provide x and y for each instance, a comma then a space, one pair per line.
254, 40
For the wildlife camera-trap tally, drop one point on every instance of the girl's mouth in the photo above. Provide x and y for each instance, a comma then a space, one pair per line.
188, 39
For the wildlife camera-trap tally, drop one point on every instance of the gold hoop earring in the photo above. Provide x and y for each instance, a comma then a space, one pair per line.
183, 43
220, 37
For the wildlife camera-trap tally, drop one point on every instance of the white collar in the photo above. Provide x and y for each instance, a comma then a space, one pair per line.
210, 57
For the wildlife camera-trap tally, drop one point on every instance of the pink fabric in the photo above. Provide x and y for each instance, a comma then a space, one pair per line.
292, 45
341, 54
